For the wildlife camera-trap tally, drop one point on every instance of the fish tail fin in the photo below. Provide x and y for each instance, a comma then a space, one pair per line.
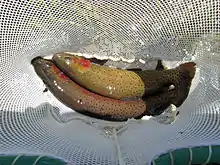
189, 68
158, 103
188, 71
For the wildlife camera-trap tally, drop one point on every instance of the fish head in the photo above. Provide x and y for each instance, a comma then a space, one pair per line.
45, 66
74, 62
43, 63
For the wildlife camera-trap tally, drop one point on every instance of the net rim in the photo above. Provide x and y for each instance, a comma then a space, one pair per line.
19, 159
194, 155
182, 156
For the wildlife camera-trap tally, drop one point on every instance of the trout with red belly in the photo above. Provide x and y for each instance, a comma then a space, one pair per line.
91, 104
121, 83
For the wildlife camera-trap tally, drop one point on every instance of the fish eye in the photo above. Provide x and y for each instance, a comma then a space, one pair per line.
67, 59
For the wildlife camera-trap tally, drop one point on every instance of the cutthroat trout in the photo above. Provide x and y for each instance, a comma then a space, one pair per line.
91, 104
119, 83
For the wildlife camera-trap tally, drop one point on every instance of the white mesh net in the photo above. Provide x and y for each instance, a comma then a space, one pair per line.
35, 122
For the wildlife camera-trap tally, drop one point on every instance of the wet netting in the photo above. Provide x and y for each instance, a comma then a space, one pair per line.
35, 128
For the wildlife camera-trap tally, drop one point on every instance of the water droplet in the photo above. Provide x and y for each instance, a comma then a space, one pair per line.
60, 88
142, 61
80, 101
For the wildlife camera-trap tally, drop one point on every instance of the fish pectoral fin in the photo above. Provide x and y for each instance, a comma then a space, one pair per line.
158, 67
45, 90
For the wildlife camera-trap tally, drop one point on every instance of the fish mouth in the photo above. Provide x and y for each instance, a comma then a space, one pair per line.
44, 63
36, 60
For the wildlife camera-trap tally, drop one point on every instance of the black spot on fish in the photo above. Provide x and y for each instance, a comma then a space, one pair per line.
45, 90
178, 112
44, 82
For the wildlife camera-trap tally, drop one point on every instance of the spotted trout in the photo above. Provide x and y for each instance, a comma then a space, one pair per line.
121, 83
91, 104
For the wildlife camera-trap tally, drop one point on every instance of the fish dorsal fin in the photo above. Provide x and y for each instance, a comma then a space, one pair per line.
97, 61
134, 69
159, 65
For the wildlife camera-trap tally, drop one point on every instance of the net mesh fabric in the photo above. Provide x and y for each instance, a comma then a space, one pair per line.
35, 122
